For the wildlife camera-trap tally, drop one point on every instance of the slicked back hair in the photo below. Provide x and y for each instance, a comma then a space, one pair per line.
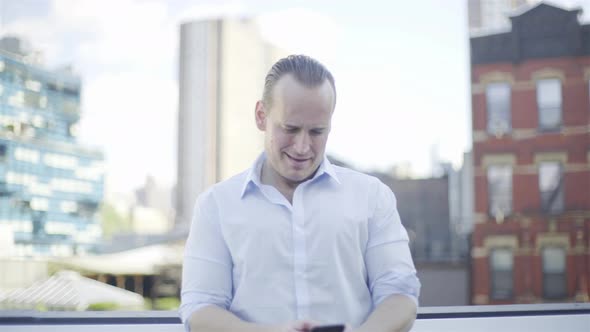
306, 70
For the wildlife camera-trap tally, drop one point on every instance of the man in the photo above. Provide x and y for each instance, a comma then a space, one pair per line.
296, 242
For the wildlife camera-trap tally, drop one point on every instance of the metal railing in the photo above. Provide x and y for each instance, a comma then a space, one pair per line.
571, 317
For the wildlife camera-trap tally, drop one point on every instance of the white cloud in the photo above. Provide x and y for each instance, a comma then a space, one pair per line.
125, 56
211, 10
41, 34
299, 30
134, 117
135, 35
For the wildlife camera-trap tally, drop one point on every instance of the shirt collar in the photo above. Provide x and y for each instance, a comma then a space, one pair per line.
253, 176
326, 167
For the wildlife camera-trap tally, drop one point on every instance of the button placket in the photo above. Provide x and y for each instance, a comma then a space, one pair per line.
300, 256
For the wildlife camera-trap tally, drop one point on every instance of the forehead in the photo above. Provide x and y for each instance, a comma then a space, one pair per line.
293, 100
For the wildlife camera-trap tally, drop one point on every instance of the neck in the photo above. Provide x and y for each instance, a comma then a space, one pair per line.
270, 177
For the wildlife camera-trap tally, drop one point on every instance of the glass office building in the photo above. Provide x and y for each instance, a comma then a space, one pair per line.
50, 186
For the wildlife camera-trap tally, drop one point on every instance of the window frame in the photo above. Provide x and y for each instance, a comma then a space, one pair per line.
509, 194
494, 111
561, 188
543, 109
493, 273
562, 274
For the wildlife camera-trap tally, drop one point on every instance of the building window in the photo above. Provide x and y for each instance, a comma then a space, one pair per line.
554, 278
551, 186
71, 106
33, 85
3, 150
14, 74
17, 99
26, 155
32, 99
498, 108
501, 262
500, 190
549, 103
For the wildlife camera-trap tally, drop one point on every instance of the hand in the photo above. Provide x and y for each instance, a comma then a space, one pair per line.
298, 326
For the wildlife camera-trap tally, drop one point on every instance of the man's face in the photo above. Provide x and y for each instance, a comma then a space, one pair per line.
296, 129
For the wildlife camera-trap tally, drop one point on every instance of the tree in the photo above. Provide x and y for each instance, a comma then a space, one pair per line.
112, 221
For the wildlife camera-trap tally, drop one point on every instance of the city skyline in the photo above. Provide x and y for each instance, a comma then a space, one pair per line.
52, 186
403, 67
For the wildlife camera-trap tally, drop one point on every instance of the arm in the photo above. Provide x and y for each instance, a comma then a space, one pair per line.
381, 319
214, 319
207, 278
391, 273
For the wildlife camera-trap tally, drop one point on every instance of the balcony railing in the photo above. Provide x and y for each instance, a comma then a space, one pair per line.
537, 317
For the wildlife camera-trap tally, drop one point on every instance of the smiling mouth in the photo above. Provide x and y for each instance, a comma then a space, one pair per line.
298, 160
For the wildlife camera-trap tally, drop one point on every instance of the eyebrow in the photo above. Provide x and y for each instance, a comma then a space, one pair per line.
292, 126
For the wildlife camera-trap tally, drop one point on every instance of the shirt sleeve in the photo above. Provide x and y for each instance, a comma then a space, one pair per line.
388, 259
207, 266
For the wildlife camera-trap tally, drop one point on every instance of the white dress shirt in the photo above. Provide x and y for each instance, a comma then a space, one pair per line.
331, 256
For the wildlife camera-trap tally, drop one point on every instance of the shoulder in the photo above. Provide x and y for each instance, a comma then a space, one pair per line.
374, 188
352, 177
225, 190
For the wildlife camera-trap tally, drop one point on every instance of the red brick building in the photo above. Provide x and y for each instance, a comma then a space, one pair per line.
531, 145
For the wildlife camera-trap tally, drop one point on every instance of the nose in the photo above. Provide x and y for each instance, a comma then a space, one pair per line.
302, 143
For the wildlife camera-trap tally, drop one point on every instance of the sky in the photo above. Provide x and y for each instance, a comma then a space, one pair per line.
401, 70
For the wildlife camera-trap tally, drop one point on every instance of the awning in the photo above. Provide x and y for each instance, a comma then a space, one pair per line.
144, 260
68, 290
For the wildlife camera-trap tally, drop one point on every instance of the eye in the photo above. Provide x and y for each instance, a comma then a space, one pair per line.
316, 132
291, 130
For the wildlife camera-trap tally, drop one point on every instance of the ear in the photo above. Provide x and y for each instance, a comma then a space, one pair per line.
260, 115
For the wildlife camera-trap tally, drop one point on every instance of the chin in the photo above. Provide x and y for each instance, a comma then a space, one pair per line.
297, 177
